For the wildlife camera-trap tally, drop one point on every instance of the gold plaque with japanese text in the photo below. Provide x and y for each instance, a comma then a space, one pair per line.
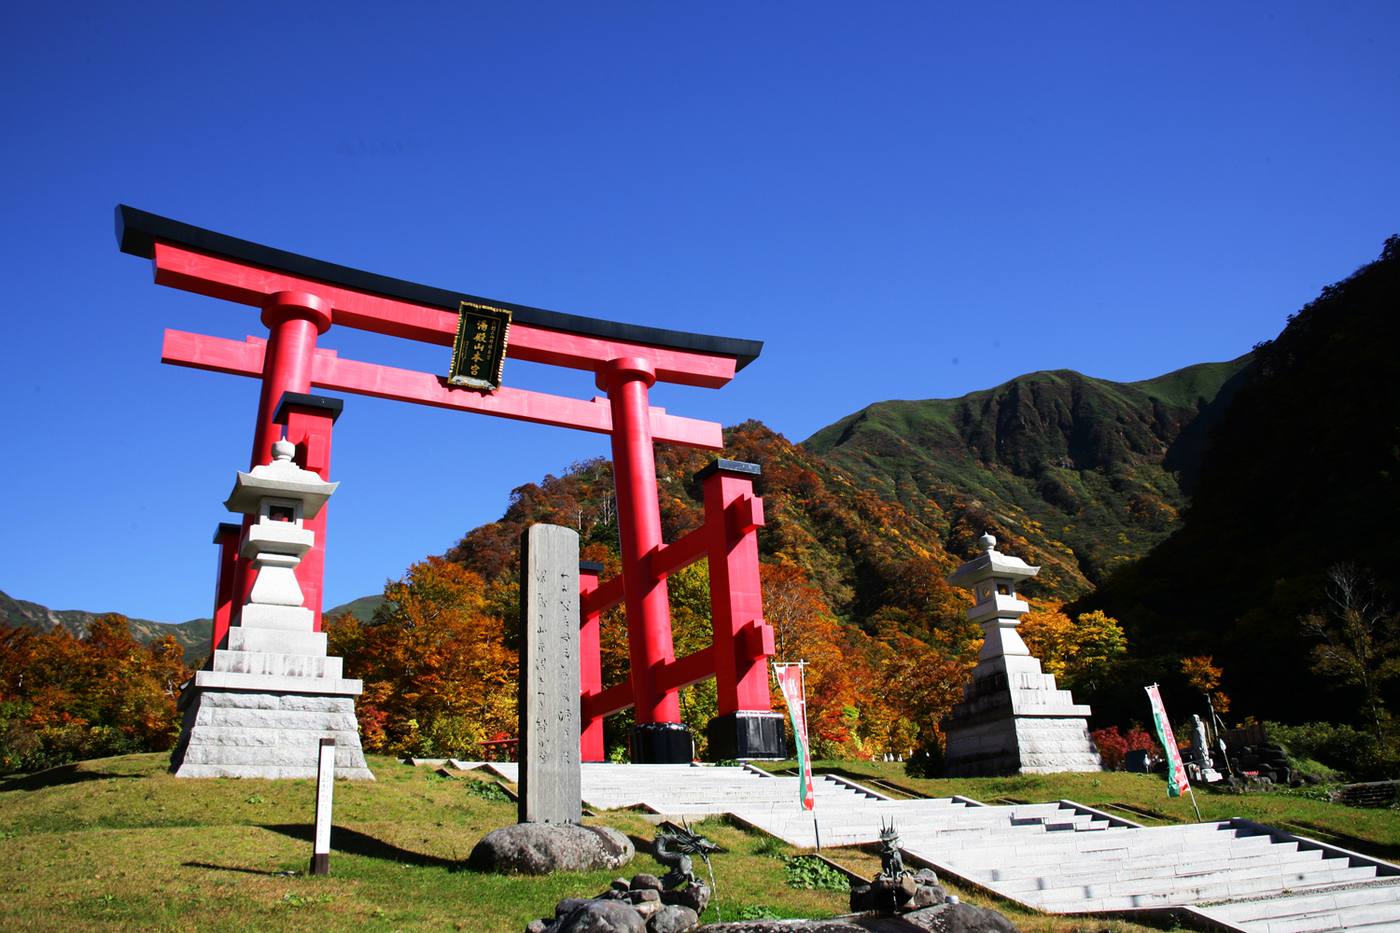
479, 352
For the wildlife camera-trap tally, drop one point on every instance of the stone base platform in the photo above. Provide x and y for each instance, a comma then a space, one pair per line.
237, 733
1015, 720
1019, 745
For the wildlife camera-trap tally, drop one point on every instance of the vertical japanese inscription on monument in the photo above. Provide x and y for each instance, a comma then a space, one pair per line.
479, 350
550, 789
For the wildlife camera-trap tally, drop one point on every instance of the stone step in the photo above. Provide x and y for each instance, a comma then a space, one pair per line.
1174, 891
286, 618
1304, 904
302, 752
277, 663
266, 639
262, 771
253, 720
1024, 863
1122, 841
276, 683
1185, 869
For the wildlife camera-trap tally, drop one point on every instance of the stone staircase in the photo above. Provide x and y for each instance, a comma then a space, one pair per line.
1061, 857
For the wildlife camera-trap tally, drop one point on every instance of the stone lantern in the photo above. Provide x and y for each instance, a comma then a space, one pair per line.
273, 693
1013, 718
279, 496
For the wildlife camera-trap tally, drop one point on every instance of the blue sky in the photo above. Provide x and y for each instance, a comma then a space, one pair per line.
947, 195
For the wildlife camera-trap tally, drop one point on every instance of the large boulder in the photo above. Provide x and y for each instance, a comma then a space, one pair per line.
541, 848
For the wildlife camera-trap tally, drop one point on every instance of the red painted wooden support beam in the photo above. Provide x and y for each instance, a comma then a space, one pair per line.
602, 599
679, 673
590, 667
688, 670
226, 536
615, 699
204, 274
669, 558
743, 642
330, 371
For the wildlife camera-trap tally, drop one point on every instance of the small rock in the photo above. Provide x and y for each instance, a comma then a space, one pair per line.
568, 905
638, 895
695, 896
958, 918
926, 876
602, 917
645, 909
928, 895
536, 926
620, 884
643, 881
672, 919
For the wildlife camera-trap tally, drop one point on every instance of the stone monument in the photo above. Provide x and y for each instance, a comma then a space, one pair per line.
1013, 719
550, 717
549, 835
272, 694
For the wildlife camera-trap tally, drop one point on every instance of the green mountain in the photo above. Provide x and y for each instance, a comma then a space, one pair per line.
1089, 473
1302, 474
192, 636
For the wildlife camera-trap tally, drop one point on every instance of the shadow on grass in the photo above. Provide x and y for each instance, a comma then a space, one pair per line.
353, 842
238, 868
57, 777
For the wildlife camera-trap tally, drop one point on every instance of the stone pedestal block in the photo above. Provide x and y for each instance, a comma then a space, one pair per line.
747, 735
662, 743
232, 733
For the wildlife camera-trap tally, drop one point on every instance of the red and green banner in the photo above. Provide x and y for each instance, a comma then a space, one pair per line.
1176, 770
791, 682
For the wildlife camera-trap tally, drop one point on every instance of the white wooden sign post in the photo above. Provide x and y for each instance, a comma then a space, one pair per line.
325, 787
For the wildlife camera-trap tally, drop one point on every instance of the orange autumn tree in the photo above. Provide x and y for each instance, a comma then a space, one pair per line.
1202, 674
65, 697
1077, 651
439, 661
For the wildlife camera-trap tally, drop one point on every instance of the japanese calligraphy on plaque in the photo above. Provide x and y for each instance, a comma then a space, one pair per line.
479, 352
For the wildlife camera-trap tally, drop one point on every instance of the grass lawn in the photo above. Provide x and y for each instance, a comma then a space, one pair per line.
118, 843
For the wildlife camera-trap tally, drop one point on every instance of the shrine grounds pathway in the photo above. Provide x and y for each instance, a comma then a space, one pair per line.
119, 844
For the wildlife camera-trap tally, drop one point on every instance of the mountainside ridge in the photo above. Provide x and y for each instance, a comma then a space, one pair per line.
1092, 471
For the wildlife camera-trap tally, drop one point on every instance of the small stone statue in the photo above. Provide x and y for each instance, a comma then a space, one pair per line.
891, 861
1200, 745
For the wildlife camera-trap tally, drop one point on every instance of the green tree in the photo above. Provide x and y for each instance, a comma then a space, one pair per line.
1358, 639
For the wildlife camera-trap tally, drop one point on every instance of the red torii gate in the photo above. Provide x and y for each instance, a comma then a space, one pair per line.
302, 297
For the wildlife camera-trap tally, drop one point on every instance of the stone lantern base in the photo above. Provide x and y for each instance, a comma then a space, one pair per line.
265, 706
1017, 723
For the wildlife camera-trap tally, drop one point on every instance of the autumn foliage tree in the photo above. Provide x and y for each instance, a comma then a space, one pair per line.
1204, 677
65, 697
439, 662
1078, 652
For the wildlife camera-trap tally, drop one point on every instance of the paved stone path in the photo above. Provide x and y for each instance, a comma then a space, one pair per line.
1057, 857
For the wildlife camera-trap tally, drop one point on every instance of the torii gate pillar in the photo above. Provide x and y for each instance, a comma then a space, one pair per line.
658, 736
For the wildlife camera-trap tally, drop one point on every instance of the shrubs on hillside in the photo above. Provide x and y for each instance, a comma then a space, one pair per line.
65, 698
1355, 753
1113, 746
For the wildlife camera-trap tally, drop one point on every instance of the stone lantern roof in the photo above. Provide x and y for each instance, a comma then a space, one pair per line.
281, 478
990, 565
